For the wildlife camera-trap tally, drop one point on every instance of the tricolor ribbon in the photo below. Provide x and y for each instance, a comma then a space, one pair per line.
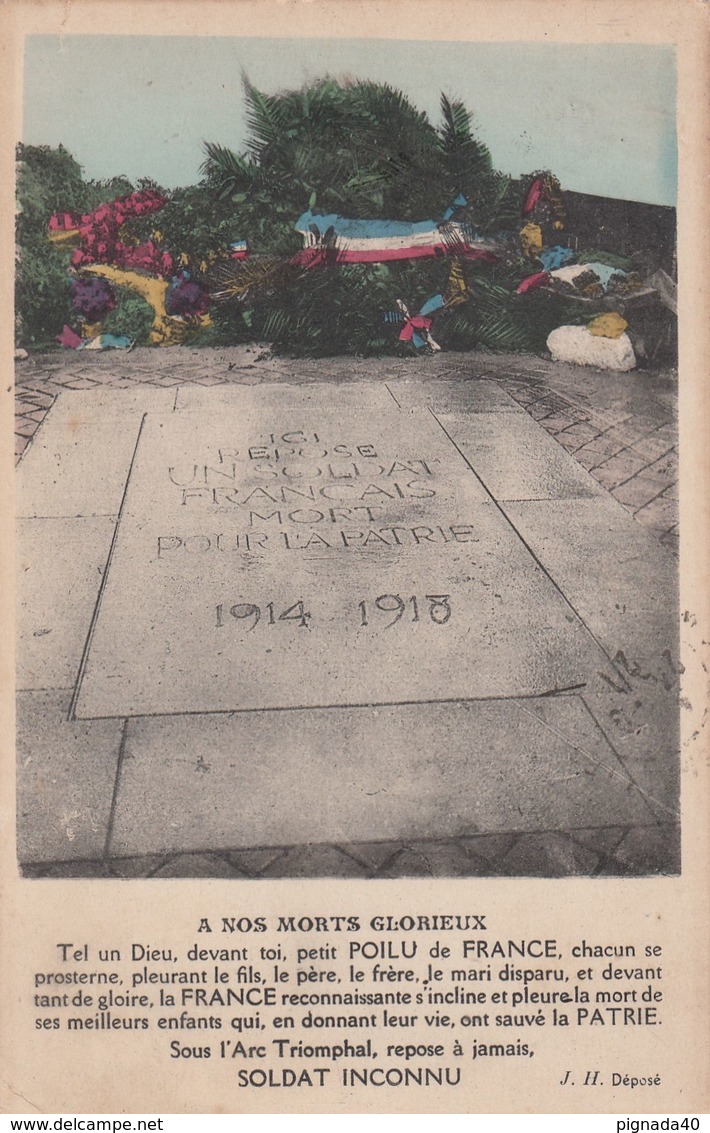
416, 328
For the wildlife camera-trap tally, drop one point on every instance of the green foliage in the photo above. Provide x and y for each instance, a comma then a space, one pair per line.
131, 316
47, 180
193, 222
340, 309
361, 150
42, 295
469, 166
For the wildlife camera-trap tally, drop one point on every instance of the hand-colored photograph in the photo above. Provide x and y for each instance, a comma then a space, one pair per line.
347, 459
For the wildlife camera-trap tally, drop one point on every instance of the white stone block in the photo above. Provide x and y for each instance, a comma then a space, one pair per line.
577, 345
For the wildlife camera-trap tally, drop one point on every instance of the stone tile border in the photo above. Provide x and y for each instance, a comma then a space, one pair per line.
599, 852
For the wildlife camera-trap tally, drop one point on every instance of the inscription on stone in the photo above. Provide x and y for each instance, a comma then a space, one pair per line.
298, 557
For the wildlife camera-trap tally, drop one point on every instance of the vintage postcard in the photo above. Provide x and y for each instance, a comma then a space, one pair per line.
356, 727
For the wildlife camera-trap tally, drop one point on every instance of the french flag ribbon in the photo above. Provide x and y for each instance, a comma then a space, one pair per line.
336, 239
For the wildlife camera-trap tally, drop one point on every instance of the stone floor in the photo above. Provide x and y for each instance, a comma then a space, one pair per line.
620, 428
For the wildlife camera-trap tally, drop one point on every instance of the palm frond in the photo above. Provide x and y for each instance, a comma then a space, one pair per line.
228, 172
468, 159
277, 325
244, 280
266, 117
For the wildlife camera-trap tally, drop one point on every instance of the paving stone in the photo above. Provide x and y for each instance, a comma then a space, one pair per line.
626, 592
79, 870
567, 443
633, 430
669, 431
35, 397
650, 849
65, 778
580, 431
197, 865
134, 867
273, 399
602, 446
490, 847
443, 859
36, 415
515, 459
559, 421
636, 492
81, 383
407, 862
539, 410
549, 855
211, 380
587, 458
600, 840
372, 855
314, 861
60, 564
526, 395
556, 403
451, 771
671, 541
641, 722
96, 431
44, 385
664, 469
254, 862
473, 396
619, 468
115, 381
79, 463
165, 381
30, 870
653, 446
662, 512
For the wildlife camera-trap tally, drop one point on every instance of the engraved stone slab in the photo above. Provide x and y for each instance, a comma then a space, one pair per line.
361, 774
274, 556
